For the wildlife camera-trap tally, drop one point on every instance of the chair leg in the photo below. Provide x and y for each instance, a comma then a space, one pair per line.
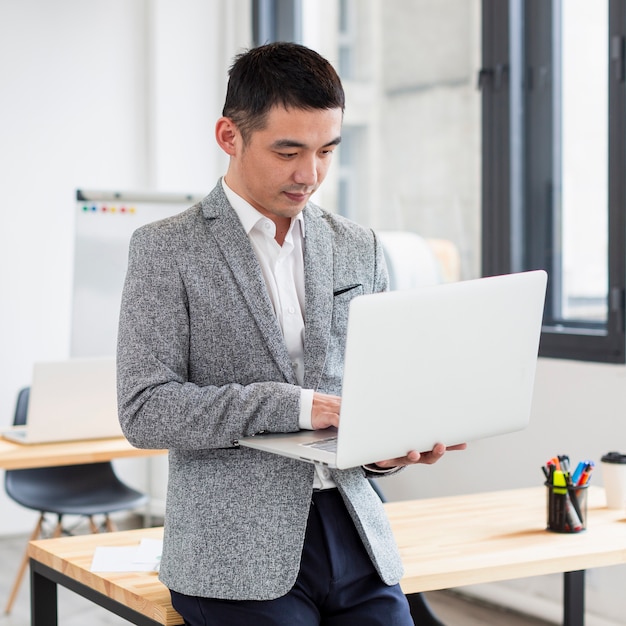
93, 527
23, 565
58, 529
110, 524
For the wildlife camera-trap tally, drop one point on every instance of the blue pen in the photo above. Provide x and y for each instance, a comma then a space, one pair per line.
578, 471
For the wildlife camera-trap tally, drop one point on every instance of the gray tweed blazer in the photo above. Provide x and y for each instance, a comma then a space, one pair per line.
202, 362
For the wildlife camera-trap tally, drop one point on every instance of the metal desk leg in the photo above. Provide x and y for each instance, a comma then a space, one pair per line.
43, 600
574, 598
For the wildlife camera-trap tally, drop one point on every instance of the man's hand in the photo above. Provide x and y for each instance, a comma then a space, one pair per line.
414, 457
325, 411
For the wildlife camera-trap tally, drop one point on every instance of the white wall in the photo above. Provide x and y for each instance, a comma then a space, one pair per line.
70, 117
106, 94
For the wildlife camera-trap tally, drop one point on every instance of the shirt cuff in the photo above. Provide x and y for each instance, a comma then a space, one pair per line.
306, 408
373, 471
380, 470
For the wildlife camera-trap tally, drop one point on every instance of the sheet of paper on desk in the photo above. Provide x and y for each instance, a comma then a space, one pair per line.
144, 557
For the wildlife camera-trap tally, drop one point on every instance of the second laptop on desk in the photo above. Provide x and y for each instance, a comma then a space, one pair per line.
70, 400
445, 364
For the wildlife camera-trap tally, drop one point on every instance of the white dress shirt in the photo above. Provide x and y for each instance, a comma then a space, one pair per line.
283, 270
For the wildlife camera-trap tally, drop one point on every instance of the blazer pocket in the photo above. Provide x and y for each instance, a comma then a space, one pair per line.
342, 290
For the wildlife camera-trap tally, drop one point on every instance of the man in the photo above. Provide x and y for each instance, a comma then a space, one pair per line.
233, 323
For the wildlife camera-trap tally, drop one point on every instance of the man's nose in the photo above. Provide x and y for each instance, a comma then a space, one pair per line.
307, 172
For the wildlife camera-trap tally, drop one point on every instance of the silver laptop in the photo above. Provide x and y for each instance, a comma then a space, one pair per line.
445, 364
70, 400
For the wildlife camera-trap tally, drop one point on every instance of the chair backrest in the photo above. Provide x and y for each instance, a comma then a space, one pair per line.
74, 489
411, 262
414, 261
21, 407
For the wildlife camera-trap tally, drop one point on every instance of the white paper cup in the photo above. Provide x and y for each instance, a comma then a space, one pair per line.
614, 479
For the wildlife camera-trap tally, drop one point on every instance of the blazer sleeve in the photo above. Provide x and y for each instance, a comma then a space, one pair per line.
164, 399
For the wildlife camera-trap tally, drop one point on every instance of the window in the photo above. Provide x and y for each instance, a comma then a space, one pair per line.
410, 158
554, 163
276, 20
410, 153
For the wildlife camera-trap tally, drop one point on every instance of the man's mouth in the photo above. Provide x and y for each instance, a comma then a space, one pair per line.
297, 196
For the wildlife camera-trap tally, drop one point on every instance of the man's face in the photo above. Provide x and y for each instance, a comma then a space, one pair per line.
280, 166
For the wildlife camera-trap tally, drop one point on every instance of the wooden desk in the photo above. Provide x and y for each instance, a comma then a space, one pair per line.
444, 542
136, 596
20, 456
488, 537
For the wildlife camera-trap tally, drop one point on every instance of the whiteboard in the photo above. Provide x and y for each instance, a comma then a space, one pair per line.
104, 223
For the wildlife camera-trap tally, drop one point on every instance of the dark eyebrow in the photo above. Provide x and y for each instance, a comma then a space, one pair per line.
335, 142
291, 143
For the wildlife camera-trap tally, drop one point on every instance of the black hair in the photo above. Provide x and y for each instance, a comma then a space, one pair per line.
281, 73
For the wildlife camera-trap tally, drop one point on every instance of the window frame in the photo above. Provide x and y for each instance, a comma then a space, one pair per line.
520, 222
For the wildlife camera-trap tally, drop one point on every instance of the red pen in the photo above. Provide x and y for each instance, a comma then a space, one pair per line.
585, 475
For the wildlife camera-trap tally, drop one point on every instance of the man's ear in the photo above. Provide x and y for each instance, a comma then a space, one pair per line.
227, 135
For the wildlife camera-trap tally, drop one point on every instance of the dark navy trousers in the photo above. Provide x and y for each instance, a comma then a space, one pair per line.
337, 584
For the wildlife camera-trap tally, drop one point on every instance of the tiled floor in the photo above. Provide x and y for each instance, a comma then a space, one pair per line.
450, 608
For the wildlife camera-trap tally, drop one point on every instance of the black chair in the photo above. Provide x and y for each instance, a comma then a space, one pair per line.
82, 490
421, 612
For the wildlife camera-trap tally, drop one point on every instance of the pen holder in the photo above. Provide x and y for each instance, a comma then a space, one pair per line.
567, 508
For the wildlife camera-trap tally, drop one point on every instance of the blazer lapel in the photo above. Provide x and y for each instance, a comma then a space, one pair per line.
318, 280
234, 245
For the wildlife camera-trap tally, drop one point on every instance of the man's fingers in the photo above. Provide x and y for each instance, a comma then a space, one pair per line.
426, 458
325, 411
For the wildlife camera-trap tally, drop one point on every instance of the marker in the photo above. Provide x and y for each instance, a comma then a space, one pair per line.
559, 493
567, 515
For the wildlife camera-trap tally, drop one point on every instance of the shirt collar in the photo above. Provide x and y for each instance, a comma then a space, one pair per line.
248, 215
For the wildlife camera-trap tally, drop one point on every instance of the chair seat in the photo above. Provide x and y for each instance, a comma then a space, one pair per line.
89, 489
